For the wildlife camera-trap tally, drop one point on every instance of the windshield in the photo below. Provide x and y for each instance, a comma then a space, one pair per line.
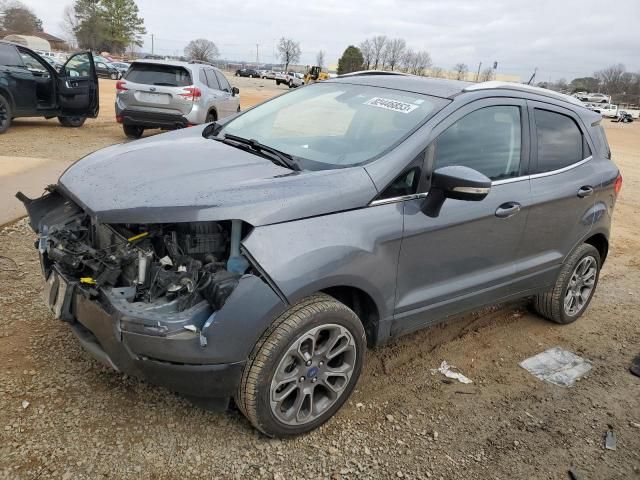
333, 125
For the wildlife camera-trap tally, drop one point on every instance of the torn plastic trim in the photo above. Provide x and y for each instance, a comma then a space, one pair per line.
263, 275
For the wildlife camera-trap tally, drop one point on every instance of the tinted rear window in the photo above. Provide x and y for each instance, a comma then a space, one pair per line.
150, 74
9, 56
601, 141
560, 141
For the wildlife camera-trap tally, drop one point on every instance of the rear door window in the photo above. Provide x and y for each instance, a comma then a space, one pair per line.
9, 56
488, 140
212, 81
156, 74
560, 141
224, 84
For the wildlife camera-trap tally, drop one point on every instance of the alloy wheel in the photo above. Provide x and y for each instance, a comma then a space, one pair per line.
312, 374
580, 287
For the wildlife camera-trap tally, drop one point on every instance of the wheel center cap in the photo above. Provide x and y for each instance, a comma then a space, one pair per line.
312, 372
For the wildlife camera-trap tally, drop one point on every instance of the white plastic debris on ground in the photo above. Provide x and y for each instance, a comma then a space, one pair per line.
557, 366
445, 369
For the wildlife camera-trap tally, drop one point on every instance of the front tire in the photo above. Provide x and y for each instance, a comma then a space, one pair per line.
6, 114
72, 122
303, 368
574, 288
133, 131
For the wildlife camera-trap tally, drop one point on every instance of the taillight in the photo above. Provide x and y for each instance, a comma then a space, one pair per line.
121, 86
618, 185
192, 93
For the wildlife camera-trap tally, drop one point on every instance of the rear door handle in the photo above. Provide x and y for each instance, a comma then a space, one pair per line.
508, 209
585, 191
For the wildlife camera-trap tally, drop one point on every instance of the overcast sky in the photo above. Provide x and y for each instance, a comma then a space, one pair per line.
563, 38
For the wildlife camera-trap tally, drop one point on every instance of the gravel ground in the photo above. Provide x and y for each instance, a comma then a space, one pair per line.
37, 137
64, 416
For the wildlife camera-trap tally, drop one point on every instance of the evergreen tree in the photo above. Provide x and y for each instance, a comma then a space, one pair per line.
350, 61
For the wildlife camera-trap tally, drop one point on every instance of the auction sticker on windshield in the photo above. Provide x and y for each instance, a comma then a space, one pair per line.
393, 105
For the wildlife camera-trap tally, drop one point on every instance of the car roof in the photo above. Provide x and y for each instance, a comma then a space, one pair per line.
173, 63
442, 87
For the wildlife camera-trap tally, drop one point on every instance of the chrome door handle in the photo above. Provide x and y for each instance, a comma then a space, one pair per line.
585, 191
508, 209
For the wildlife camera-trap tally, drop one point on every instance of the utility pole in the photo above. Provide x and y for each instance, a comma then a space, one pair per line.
257, 56
478, 74
152, 44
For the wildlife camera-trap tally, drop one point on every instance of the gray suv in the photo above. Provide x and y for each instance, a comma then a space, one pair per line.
261, 265
169, 95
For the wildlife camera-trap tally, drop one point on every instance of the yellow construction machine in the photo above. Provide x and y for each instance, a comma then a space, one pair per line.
315, 74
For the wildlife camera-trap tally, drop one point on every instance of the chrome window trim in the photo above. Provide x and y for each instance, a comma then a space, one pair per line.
414, 196
510, 180
561, 170
402, 198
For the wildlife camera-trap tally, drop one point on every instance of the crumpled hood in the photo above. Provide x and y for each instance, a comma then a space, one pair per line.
182, 176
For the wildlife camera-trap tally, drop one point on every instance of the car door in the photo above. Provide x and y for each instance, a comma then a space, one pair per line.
229, 100
563, 185
78, 87
465, 257
21, 83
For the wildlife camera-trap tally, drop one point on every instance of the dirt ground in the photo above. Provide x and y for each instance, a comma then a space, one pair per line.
37, 137
83, 421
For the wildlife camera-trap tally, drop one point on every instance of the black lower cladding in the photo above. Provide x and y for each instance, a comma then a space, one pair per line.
153, 119
99, 333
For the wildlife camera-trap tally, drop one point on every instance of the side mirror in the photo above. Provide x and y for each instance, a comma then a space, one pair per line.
235, 91
456, 182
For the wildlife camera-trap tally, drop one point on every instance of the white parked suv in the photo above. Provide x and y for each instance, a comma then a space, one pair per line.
294, 79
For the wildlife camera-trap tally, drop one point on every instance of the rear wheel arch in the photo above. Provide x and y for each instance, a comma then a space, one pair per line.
601, 243
212, 113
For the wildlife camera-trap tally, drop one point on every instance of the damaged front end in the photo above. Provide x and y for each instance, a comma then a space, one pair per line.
140, 295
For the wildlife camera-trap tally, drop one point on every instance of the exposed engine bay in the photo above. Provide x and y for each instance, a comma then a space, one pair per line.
158, 267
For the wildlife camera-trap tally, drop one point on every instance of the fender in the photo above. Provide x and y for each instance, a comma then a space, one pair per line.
358, 248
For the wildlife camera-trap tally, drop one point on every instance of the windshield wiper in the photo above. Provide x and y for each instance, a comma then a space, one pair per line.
282, 158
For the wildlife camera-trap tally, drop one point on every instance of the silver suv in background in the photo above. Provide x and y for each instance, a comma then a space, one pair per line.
172, 94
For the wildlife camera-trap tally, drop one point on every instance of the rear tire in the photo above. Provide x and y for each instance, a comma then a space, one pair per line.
6, 114
133, 131
316, 349
72, 122
211, 117
574, 288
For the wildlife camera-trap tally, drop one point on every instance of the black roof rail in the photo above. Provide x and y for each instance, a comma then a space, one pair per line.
202, 62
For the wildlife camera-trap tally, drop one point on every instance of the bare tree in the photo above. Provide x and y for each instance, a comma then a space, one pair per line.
416, 62
486, 74
366, 48
436, 72
611, 78
378, 44
69, 25
320, 59
394, 51
202, 50
461, 70
289, 51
